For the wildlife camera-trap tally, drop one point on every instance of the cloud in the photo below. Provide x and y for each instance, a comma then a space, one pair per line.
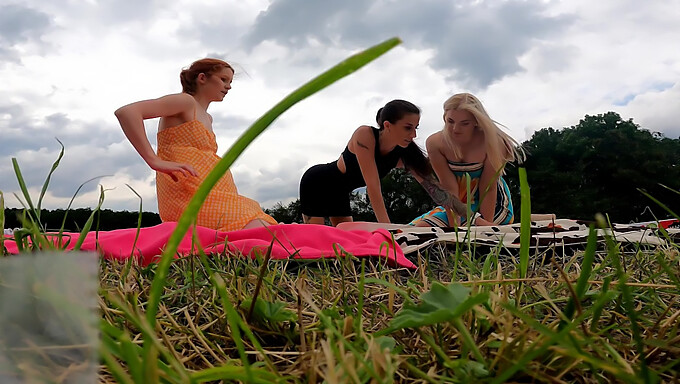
23, 129
652, 110
271, 183
91, 150
66, 65
293, 22
21, 26
476, 43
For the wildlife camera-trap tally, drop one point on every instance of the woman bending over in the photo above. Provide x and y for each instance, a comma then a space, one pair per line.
370, 154
472, 146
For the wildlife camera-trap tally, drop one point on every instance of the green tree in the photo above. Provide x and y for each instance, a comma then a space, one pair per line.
105, 220
598, 166
405, 198
286, 214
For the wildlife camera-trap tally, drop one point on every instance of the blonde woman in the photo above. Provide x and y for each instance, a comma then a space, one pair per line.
471, 144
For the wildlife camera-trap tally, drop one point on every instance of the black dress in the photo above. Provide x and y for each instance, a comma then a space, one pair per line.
325, 191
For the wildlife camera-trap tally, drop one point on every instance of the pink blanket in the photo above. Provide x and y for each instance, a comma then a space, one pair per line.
299, 241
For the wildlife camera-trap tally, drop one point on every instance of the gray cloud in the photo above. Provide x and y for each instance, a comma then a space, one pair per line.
273, 184
228, 124
292, 22
21, 131
91, 150
19, 25
76, 167
476, 43
551, 57
126, 10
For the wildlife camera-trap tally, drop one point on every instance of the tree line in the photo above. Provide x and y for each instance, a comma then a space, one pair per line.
600, 165
74, 220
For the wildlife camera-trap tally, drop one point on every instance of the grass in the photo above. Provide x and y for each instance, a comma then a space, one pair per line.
601, 315
328, 321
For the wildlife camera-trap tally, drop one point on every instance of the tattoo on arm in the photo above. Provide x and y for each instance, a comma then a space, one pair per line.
362, 145
442, 197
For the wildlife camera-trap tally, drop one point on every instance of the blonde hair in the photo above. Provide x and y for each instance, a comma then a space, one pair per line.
500, 147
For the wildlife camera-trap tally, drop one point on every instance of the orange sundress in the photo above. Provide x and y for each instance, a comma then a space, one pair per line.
224, 209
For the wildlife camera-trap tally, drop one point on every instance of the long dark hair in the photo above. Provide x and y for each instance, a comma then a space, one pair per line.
412, 156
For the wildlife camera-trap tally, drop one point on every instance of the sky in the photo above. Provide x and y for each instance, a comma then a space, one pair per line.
66, 65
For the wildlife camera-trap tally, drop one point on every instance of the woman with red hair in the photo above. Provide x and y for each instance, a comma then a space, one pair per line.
187, 149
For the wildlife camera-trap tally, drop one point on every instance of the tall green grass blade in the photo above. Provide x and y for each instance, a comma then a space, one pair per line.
468, 203
667, 269
24, 190
139, 221
327, 78
110, 339
63, 221
491, 260
525, 223
628, 301
129, 354
550, 337
597, 310
88, 223
236, 320
150, 365
235, 373
360, 305
670, 189
49, 177
469, 341
30, 236
116, 370
586, 271
232, 319
662, 205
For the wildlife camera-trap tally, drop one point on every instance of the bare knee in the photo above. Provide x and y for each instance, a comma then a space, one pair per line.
340, 219
313, 219
257, 223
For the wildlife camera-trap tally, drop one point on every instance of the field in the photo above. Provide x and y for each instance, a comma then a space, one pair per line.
459, 318
602, 314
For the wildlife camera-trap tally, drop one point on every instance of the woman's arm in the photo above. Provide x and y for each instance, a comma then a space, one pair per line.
131, 118
440, 197
434, 145
362, 144
447, 181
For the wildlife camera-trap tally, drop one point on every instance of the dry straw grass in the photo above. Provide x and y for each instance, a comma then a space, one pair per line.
333, 313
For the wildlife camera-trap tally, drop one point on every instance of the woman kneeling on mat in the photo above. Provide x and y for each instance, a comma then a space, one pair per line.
370, 154
187, 150
471, 145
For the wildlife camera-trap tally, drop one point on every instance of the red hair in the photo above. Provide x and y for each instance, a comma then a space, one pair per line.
208, 66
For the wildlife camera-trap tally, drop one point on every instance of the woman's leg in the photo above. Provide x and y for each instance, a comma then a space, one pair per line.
541, 217
313, 219
335, 220
257, 223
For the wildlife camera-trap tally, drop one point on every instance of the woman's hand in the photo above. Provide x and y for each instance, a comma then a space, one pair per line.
171, 168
